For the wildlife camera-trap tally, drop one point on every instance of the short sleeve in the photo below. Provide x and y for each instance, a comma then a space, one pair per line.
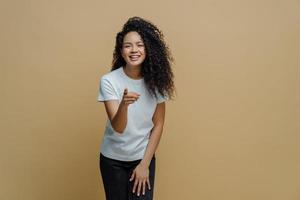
161, 98
106, 91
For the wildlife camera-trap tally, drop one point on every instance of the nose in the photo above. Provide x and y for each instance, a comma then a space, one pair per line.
134, 48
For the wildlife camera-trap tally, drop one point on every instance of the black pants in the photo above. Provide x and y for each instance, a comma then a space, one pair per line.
116, 174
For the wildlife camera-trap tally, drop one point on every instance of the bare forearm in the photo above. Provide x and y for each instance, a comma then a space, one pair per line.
119, 121
154, 139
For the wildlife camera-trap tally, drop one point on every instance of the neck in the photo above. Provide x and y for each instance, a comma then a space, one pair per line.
133, 72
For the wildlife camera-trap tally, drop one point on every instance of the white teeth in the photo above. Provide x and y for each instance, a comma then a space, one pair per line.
134, 56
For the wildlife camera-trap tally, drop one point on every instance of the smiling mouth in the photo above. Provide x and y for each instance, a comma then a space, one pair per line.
135, 57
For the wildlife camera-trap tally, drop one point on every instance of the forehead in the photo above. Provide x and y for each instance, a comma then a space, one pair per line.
132, 37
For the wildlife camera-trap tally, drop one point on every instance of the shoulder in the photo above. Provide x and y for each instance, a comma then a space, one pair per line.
111, 76
109, 86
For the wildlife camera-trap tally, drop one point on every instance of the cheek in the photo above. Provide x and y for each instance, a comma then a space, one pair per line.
125, 52
144, 52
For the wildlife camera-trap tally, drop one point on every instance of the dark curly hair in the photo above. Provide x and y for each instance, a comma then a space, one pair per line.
156, 68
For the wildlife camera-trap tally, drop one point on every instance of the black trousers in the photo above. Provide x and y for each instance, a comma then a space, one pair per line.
116, 174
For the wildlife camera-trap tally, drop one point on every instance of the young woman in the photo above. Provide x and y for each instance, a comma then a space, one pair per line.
133, 93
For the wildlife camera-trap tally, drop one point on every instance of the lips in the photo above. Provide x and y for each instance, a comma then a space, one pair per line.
134, 57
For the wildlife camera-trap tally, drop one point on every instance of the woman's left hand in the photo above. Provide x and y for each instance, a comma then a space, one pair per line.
141, 176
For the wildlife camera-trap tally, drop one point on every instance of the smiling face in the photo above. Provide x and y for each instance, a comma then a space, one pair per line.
133, 49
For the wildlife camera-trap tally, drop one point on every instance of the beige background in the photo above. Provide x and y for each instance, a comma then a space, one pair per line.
231, 134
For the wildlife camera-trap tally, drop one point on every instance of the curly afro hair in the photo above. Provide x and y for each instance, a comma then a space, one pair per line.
156, 68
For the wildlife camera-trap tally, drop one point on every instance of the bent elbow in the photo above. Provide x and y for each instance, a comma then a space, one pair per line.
118, 130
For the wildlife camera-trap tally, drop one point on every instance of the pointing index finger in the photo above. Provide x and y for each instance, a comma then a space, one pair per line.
125, 91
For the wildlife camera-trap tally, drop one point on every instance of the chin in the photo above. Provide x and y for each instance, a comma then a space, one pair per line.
134, 64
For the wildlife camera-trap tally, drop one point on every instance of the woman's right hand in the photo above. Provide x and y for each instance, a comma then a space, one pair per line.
129, 97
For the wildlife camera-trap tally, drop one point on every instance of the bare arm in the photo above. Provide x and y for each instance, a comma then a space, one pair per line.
117, 112
156, 132
141, 172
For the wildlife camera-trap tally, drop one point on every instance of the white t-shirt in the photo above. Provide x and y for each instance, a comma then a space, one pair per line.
132, 143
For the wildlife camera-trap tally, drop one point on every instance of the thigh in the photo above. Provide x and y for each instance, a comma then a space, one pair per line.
148, 193
115, 179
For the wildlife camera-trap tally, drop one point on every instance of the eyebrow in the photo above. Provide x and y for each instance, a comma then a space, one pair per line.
131, 43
